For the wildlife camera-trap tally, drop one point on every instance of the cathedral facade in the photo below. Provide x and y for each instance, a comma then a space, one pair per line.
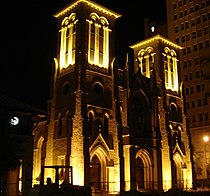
118, 128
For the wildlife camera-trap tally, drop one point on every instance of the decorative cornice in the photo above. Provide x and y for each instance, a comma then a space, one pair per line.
155, 38
90, 4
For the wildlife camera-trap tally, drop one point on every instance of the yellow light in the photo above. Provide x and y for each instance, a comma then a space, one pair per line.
152, 39
78, 176
206, 138
89, 3
167, 180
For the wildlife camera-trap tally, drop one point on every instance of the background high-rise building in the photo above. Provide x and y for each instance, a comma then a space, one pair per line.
189, 25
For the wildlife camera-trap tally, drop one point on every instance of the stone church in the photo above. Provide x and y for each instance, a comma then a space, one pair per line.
109, 127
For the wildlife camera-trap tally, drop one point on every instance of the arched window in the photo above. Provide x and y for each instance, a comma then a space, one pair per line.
170, 69
68, 124
39, 158
60, 125
141, 118
90, 123
106, 125
68, 41
98, 46
146, 61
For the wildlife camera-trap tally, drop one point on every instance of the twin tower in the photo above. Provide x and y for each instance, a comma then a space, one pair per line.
119, 128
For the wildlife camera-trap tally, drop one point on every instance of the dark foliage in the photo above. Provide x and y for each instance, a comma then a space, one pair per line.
10, 148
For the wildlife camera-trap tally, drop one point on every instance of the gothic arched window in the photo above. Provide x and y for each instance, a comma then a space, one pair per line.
170, 69
60, 125
90, 123
68, 124
146, 61
68, 41
98, 41
141, 119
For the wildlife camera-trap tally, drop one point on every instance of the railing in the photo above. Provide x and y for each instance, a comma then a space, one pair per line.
107, 188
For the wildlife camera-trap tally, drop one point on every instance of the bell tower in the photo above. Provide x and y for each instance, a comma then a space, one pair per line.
82, 114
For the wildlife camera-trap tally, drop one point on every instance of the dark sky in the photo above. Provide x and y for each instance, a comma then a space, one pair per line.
28, 41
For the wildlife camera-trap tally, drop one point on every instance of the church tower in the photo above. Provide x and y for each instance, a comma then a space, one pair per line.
82, 127
158, 123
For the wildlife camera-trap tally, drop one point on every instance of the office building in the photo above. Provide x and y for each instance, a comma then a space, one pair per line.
189, 26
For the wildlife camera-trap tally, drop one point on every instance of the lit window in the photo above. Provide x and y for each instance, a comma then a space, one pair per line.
98, 44
20, 177
170, 67
146, 61
68, 41
152, 28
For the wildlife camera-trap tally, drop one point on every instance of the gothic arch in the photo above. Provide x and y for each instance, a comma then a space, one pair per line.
69, 123
99, 158
143, 157
146, 60
98, 38
68, 41
170, 69
67, 20
106, 124
94, 16
91, 115
60, 125
178, 170
38, 154
104, 21
140, 109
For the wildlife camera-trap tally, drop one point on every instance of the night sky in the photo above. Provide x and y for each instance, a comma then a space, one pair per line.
28, 41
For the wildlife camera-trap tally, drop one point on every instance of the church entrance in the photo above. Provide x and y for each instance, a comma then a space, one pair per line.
139, 173
143, 170
95, 173
178, 173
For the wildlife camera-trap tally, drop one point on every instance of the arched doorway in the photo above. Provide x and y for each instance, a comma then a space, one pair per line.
178, 173
38, 161
139, 173
144, 178
99, 175
95, 173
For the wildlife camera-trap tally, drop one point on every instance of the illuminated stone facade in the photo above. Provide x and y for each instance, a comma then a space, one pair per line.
119, 129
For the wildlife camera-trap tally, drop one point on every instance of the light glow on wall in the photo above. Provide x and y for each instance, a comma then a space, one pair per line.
206, 138
77, 147
78, 175
167, 179
127, 167
37, 161
20, 177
